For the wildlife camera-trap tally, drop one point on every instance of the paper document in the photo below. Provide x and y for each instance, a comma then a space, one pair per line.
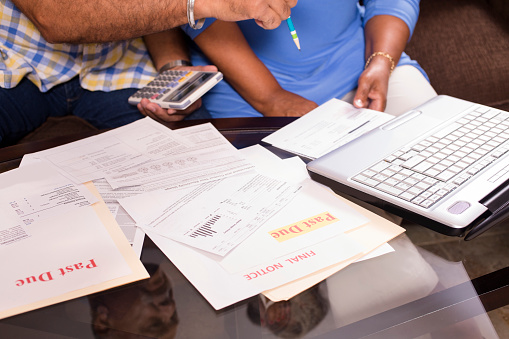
216, 216
38, 192
72, 251
326, 128
208, 156
133, 233
147, 153
283, 249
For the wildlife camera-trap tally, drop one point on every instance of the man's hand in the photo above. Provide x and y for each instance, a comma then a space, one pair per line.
267, 13
157, 113
373, 85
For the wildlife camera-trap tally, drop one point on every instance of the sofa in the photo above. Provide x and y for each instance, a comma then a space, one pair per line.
463, 45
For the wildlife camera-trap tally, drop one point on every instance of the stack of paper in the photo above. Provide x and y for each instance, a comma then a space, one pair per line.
141, 157
309, 238
58, 241
236, 223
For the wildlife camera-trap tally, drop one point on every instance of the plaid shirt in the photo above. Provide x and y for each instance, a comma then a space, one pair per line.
104, 67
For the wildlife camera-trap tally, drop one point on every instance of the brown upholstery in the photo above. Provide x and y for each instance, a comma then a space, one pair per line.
464, 47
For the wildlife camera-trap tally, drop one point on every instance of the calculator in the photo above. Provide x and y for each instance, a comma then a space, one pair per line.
177, 89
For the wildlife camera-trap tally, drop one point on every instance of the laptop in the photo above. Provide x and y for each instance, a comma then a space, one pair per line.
443, 165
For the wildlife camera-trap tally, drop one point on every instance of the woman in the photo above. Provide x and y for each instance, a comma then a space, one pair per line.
348, 52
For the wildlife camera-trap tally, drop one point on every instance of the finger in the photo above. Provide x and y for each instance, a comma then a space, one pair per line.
361, 99
141, 109
282, 9
154, 111
378, 101
194, 106
205, 68
268, 21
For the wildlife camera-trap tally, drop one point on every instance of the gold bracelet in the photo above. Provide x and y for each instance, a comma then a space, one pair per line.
386, 55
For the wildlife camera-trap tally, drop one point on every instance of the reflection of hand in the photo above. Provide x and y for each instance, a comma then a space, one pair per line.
267, 13
288, 104
157, 113
373, 84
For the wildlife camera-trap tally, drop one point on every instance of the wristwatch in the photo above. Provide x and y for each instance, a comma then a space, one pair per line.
173, 64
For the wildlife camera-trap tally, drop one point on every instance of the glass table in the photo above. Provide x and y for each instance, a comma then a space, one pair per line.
431, 286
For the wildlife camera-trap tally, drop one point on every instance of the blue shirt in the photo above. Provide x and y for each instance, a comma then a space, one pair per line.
331, 34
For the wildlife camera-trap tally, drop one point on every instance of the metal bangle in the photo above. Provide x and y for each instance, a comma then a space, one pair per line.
190, 16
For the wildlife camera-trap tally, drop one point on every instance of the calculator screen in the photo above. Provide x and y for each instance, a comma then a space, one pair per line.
188, 88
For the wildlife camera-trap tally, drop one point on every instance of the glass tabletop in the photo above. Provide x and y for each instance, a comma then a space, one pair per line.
430, 286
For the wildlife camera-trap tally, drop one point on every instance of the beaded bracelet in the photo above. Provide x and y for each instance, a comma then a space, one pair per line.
190, 16
386, 55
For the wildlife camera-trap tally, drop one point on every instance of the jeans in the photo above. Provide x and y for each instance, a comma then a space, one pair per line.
24, 108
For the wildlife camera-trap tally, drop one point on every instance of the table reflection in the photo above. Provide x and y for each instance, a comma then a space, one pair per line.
147, 309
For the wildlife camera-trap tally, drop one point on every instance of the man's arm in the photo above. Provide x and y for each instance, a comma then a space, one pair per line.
83, 21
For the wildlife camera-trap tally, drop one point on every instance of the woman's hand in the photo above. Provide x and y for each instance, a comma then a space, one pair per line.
287, 104
373, 85
385, 37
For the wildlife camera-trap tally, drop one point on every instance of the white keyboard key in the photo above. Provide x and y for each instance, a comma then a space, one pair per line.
389, 189
380, 166
447, 130
418, 200
407, 196
413, 161
426, 203
422, 166
445, 175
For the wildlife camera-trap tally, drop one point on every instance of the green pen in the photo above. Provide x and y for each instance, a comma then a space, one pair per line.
293, 32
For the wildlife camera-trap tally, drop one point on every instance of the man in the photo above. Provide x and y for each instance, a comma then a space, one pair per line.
82, 21
55, 58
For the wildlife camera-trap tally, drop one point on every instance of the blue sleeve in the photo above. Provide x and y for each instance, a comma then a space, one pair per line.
406, 10
193, 33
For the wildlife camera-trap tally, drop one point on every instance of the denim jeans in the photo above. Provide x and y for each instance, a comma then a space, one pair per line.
24, 108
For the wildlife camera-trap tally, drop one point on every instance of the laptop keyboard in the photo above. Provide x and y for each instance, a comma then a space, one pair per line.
432, 168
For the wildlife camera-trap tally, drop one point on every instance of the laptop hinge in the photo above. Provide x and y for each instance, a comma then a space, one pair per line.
497, 198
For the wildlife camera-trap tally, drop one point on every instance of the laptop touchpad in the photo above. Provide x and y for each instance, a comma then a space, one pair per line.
459, 207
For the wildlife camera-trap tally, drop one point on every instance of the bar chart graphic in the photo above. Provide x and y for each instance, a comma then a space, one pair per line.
206, 229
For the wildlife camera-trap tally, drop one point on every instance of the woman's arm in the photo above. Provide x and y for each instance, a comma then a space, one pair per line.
225, 46
389, 35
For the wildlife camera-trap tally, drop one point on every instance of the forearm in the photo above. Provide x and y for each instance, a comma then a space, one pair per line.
167, 46
387, 34
224, 44
84, 21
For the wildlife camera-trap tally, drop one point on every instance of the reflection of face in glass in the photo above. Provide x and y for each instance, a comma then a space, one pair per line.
292, 318
147, 309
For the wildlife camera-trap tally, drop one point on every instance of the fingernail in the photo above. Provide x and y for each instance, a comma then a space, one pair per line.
171, 111
358, 102
151, 108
